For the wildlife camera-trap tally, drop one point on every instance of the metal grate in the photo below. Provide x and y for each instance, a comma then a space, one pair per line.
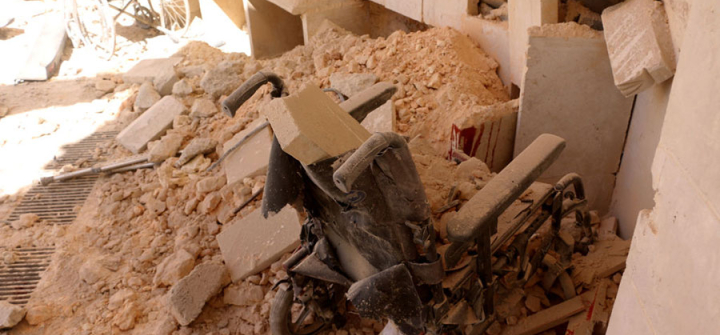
83, 149
19, 279
55, 203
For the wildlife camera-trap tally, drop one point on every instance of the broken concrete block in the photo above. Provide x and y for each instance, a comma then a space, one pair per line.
252, 157
488, 133
351, 84
105, 85
210, 184
210, 202
639, 44
147, 96
161, 72
223, 79
382, 119
150, 125
252, 243
187, 298
524, 14
174, 268
203, 108
568, 91
198, 146
182, 88
165, 148
311, 127
10, 314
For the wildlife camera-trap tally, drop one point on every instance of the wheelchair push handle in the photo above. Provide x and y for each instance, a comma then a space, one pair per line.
347, 173
248, 88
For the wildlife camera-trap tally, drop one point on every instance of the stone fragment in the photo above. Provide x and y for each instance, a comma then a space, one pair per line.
382, 119
165, 148
161, 72
182, 88
243, 295
252, 157
209, 184
151, 124
487, 133
351, 84
147, 96
252, 243
639, 44
311, 127
125, 317
38, 314
608, 229
105, 85
10, 314
25, 221
203, 108
223, 79
198, 146
174, 268
187, 298
118, 299
91, 272
210, 202
521, 16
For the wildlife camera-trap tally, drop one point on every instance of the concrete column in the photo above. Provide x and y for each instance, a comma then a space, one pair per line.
273, 31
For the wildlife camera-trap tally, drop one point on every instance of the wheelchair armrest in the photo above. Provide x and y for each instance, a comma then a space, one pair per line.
484, 208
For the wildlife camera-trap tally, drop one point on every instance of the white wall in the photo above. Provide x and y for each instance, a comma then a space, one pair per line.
671, 284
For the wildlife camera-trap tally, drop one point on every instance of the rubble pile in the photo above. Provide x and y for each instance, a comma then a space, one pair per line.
144, 256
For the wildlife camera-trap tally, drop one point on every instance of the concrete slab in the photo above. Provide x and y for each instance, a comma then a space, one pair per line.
381, 119
524, 14
350, 84
639, 44
187, 298
150, 125
409, 8
568, 91
310, 126
252, 243
47, 50
159, 71
272, 30
488, 134
250, 159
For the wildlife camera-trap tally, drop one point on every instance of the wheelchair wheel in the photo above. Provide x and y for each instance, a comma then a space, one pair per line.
174, 15
282, 321
96, 26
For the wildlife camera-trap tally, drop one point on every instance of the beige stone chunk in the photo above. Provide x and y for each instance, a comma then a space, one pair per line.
639, 44
382, 119
150, 125
10, 314
311, 127
187, 298
252, 157
167, 147
161, 72
524, 14
252, 243
173, 268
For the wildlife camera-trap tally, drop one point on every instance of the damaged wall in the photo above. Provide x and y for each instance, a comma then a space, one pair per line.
670, 285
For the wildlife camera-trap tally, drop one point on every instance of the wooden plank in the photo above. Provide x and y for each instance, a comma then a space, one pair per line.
552, 316
584, 323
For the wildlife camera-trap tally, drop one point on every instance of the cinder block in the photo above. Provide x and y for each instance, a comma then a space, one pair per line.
522, 15
448, 13
187, 298
487, 134
252, 243
160, 71
251, 158
349, 15
272, 30
381, 119
568, 91
151, 125
311, 127
639, 44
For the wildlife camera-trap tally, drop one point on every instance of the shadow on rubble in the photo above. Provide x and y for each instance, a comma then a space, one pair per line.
8, 33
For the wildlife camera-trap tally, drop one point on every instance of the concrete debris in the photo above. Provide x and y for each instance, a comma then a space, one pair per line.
10, 314
252, 157
311, 127
38, 314
161, 72
198, 146
203, 108
381, 119
150, 125
147, 96
182, 88
92, 272
351, 84
252, 243
187, 298
174, 268
245, 294
105, 85
25, 221
210, 184
223, 79
639, 44
165, 148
